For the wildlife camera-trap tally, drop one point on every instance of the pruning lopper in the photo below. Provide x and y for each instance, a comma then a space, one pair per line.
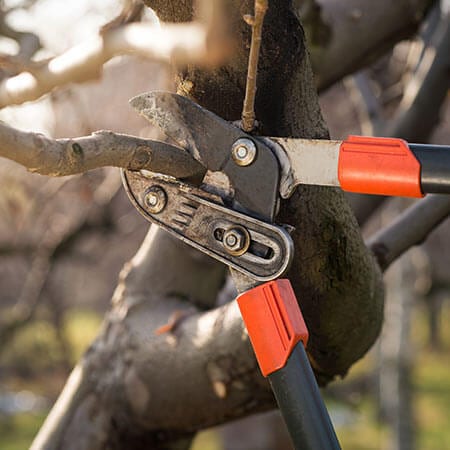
230, 217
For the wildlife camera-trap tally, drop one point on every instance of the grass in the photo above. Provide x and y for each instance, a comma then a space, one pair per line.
363, 432
18, 432
432, 383
432, 390
80, 328
34, 356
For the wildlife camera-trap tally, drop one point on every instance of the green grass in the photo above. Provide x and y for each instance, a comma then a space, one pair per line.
432, 385
364, 432
432, 401
34, 355
18, 432
35, 349
81, 327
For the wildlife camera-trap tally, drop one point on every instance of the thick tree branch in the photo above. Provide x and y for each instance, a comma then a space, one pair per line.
60, 157
208, 360
410, 229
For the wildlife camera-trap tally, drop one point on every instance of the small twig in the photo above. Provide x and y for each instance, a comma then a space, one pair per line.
256, 22
28, 42
410, 229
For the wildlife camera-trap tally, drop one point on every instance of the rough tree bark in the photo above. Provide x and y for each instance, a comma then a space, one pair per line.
135, 389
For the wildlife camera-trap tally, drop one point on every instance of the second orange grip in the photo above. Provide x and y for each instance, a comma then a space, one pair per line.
274, 323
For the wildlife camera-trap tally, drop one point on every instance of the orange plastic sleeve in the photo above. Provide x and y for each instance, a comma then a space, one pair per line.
274, 323
383, 166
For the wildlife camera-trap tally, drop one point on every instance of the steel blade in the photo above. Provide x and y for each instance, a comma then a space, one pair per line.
209, 139
311, 161
205, 135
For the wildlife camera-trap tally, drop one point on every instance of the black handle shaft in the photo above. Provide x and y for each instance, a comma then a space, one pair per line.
435, 167
301, 404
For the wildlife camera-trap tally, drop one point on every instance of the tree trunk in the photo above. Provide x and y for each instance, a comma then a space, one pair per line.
135, 389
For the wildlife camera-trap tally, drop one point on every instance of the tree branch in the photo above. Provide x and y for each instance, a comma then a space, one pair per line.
193, 42
410, 229
60, 157
208, 359
426, 91
362, 31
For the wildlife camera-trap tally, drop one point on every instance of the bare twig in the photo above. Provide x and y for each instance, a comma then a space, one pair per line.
28, 42
59, 157
179, 43
256, 22
410, 229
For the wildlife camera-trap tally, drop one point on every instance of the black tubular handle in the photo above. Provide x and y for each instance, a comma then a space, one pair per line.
393, 167
277, 332
435, 167
301, 404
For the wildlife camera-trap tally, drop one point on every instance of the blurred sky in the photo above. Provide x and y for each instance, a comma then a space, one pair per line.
62, 24
59, 25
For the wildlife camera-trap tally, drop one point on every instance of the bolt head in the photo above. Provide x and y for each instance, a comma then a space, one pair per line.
236, 240
243, 152
155, 199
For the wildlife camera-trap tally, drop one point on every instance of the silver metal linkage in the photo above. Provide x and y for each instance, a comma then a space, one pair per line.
255, 248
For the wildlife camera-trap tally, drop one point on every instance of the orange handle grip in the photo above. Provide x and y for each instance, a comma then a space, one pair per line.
274, 323
382, 166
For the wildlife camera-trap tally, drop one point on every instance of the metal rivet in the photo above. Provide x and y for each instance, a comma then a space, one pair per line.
243, 152
155, 199
236, 240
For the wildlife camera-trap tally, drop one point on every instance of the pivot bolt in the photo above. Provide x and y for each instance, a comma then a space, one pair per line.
243, 152
155, 199
236, 240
